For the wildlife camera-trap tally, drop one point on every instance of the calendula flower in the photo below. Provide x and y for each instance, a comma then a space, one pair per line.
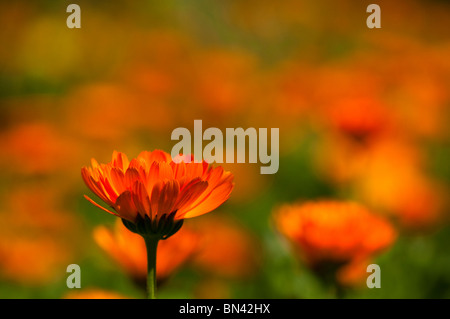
154, 193
332, 232
154, 186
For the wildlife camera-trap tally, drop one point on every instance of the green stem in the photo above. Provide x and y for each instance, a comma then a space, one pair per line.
340, 291
151, 243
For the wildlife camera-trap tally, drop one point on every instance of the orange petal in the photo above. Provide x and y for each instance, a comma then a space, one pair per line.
165, 171
188, 195
216, 198
168, 197
117, 179
164, 196
97, 189
119, 160
101, 207
125, 206
131, 176
141, 199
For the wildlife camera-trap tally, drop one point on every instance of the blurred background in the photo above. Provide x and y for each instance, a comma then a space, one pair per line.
363, 116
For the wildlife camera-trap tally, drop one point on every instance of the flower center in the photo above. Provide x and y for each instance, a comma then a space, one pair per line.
161, 228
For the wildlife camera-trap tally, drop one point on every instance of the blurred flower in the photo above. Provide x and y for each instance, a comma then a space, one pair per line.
108, 111
333, 232
94, 293
387, 174
155, 186
339, 158
416, 77
359, 118
353, 274
350, 81
129, 251
292, 91
35, 148
33, 260
36, 234
223, 81
392, 181
426, 97
249, 182
36, 209
226, 248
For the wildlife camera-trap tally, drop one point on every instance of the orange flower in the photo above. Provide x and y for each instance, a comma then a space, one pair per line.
129, 251
94, 293
34, 260
360, 118
154, 186
393, 180
154, 193
332, 231
36, 148
354, 274
226, 248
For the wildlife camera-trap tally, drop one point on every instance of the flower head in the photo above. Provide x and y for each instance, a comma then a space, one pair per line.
154, 193
332, 231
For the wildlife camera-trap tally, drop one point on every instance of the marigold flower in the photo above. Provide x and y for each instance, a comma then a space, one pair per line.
155, 186
154, 193
333, 231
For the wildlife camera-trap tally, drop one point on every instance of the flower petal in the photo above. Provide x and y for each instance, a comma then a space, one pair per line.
101, 207
141, 199
125, 206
